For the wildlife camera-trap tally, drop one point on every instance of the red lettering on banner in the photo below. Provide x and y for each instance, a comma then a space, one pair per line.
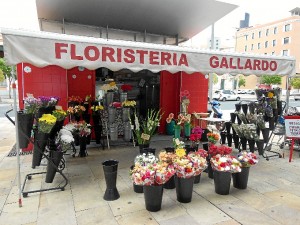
92, 57
108, 52
142, 54
239, 64
73, 53
214, 62
224, 63
175, 59
183, 60
119, 55
256, 65
248, 64
153, 58
129, 53
273, 65
60, 48
231, 64
165, 58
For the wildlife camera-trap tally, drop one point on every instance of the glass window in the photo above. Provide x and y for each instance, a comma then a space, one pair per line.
252, 46
245, 48
259, 34
275, 30
285, 52
246, 37
267, 32
273, 53
286, 40
266, 44
287, 27
252, 35
258, 45
274, 43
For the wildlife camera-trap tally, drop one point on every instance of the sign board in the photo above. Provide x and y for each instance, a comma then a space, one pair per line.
292, 128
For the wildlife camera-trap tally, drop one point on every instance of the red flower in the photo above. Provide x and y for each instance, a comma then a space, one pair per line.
126, 87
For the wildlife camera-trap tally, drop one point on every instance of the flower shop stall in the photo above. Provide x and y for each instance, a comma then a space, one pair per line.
62, 65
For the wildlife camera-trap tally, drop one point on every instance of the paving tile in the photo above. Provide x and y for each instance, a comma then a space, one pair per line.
284, 214
98, 215
228, 222
286, 198
181, 220
136, 218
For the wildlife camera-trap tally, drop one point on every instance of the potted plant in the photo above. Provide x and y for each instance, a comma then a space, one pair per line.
247, 159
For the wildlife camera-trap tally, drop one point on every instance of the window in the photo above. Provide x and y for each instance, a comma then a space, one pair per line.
285, 52
252, 46
287, 27
246, 37
275, 30
252, 35
258, 45
259, 34
274, 43
267, 32
273, 53
245, 49
266, 44
286, 40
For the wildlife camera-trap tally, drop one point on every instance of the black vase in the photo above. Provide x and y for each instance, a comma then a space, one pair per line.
184, 189
233, 133
258, 131
205, 146
86, 117
272, 123
55, 129
197, 179
44, 110
232, 117
142, 146
138, 188
266, 133
244, 143
170, 149
229, 140
88, 139
239, 120
98, 132
260, 146
96, 119
223, 138
82, 146
76, 138
251, 143
25, 123
170, 184
110, 169
236, 140
222, 182
228, 126
55, 157
238, 107
240, 180
210, 170
153, 197
40, 142
204, 135
189, 149
245, 108
275, 114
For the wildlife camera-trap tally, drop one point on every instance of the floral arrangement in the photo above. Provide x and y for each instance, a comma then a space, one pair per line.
60, 114
65, 139
199, 162
126, 87
45, 101
249, 131
182, 119
152, 174
196, 134
166, 157
97, 108
237, 130
77, 109
185, 101
219, 150
145, 129
83, 128
46, 123
247, 159
213, 137
242, 117
260, 121
87, 99
170, 118
70, 127
109, 87
252, 118
76, 99
178, 144
225, 163
183, 167
31, 105
129, 103
145, 159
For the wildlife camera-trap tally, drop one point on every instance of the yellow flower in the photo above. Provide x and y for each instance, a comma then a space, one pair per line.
180, 152
270, 95
112, 84
48, 118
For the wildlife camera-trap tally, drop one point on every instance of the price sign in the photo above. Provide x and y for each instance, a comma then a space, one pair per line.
292, 128
145, 137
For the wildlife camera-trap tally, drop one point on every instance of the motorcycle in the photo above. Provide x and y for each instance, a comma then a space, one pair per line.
217, 112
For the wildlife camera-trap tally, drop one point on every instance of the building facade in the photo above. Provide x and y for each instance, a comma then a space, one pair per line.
280, 38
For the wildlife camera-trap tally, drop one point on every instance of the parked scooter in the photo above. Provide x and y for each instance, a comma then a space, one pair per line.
216, 110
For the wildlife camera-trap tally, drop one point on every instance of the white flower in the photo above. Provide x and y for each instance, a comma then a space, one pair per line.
67, 139
65, 132
69, 127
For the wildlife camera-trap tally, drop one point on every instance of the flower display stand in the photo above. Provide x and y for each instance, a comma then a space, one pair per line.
153, 197
25, 122
55, 158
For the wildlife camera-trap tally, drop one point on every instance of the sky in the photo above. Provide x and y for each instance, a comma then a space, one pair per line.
22, 14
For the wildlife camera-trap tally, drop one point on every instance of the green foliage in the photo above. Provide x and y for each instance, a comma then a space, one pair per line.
295, 82
2, 78
242, 82
5, 69
270, 79
215, 78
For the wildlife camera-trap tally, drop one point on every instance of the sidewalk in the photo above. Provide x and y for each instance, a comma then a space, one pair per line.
272, 196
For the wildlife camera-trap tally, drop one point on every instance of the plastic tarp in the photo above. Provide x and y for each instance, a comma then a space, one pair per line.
67, 51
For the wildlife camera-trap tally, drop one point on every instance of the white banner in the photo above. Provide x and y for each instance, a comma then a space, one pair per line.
67, 51
292, 128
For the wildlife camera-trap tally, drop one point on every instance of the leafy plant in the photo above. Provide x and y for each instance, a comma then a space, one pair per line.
242, 82
295, 82
270, 79
7, 73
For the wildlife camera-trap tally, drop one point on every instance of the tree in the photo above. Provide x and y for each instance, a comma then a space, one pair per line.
215, 78
270, 79
295, 82
242, 82
2, 78
7, 74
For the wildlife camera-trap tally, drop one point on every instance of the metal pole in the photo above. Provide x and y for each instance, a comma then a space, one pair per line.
17, 137
212, 47
288, 88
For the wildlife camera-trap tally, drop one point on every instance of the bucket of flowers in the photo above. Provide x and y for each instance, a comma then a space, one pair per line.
170, 124
46, 104
60, 115
182, 121
200, 163
247, 159
75, 112
84, 131
223, 166
167, 157
213, 137
195, 137
127, 110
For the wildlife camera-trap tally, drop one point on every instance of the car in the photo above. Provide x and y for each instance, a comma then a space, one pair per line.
297, 96
241, 91
250, 92
223, 95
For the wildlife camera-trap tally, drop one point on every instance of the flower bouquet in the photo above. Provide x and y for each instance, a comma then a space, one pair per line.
46, 123
83, 128
249, 131
260, 121
65, 139
31, 105
60, 114
195, 136
242, 117
178, 144
225, 163
247, 159
145, 129
183, 164
75, 100
129, 103
213, 137
126, 87
166, 157
96, 109
47, 101
199, 162
111, 86
145, 159
219, 150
